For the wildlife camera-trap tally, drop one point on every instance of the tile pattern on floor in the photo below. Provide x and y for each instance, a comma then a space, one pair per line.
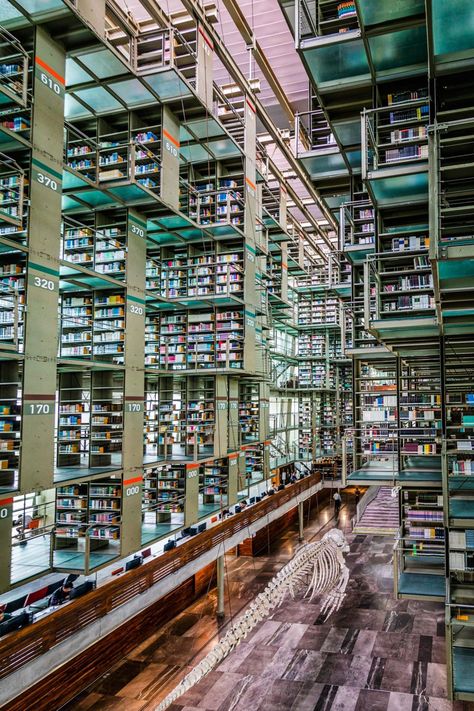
375, 654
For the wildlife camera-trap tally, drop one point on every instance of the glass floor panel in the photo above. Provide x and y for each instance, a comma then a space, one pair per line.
407, 475
66, 473
75, 560
463, 664
372, 475
461, 508
30, 559
453, 28
153, 531
208, 509
374, 13
421, 584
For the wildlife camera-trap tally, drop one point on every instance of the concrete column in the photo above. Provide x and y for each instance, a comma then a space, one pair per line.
300, 522
220, 587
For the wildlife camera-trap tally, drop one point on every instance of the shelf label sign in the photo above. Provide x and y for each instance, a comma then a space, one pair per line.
171, 144
41, 277
49, 77
46, 176
192, 472
221, 405
38, 405
132, 486
136, 227
135, 306
134, 407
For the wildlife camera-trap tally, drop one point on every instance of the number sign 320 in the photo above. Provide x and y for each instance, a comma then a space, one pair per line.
42, 283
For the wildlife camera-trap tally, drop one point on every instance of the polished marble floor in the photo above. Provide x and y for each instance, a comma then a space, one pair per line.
374, 654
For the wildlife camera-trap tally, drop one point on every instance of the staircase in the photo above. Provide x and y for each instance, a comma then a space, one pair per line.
381, 516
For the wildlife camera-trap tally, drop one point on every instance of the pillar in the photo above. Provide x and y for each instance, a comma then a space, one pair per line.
220, 587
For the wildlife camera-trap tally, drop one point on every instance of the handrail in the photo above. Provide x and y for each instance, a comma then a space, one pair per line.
20, 648
367, 498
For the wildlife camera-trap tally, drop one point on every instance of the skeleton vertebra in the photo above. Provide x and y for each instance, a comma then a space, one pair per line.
319, 568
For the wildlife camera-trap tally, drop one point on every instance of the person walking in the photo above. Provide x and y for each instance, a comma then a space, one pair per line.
337, 503
357, 495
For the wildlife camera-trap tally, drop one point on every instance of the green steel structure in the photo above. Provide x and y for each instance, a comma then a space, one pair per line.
387, 141
170, 335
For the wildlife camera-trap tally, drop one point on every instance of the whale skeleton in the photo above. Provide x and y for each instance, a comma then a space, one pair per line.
317, 569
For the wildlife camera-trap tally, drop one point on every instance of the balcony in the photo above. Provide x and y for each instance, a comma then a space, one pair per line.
395, 151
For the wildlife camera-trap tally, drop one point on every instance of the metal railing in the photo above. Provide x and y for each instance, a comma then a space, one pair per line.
29, 643
386, 140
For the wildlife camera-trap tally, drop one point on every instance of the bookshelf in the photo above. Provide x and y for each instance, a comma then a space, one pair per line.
10, 424
422, 532
196, 277
72, 503
398, 128
13, 275
89, 419
200, 417
254, 455
215, 194
163, 495
419, 407
376, 414
249, 411
93, 325
306, 427
88, 509
99, 244
213, 486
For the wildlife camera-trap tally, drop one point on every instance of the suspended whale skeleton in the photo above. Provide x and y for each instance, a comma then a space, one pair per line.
317, 569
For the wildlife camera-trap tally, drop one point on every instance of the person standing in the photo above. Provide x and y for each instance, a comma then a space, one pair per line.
357, 495
337, 503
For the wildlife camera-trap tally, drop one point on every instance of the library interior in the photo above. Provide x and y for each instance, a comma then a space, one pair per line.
236, 355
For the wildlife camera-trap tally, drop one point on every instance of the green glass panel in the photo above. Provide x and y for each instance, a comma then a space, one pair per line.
334, 201
103, 64
454, 269
184, 135
36, 7
225, 148
354, 158
319, 165
399, 49
205, 128
98, 99
172, 222
168, 85
373, 12
453, 26
73, 109
191, 233
132, 92
402, 188
463, 664
347, 132
7, 12
96, 198
330, 64
194, 153
75, 74
71, 181
68, 203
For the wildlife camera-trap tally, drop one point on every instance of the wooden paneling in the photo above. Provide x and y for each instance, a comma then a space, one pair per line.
25, 645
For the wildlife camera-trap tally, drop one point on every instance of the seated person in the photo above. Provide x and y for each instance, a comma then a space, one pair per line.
4, 616
61, 594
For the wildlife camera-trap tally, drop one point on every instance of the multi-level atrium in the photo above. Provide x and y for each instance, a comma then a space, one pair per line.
237, 274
